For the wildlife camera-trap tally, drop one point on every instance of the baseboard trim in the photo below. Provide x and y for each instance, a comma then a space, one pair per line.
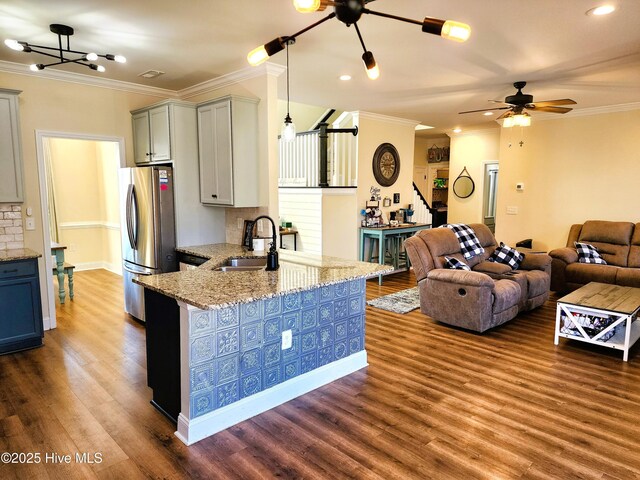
192, 431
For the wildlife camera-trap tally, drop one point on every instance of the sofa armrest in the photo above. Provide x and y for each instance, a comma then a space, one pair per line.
536, 261
566, 254
462, 277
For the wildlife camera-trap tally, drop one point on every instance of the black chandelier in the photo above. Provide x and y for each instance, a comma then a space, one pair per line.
82, 58
349, 12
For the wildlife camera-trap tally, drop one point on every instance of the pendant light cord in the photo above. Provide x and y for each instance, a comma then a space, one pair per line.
287, 79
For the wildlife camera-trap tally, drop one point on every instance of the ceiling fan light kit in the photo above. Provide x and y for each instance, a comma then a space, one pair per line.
62, 54
349, 12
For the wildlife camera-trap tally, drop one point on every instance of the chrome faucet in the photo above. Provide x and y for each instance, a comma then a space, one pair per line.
272, 255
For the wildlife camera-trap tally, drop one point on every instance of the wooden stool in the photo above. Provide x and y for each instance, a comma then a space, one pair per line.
68, 269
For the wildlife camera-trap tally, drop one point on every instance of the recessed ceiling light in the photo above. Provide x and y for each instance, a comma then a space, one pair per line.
457, 130
487, 114
345, 78
601, 10
423, 127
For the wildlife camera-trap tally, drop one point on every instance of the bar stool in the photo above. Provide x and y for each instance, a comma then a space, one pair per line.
68, 270
389, 250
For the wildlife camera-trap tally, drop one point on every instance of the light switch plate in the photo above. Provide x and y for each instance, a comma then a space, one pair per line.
512, 210
287, 339
30, 223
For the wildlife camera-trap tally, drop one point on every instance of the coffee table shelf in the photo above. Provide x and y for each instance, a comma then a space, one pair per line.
620, 304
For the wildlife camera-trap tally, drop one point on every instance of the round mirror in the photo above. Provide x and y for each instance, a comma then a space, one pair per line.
464, 186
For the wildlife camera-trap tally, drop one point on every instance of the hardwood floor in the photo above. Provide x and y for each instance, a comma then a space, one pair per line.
435, 402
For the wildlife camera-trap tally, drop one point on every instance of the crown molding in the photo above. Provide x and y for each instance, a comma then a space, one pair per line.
79, 78
247, 73
385, 118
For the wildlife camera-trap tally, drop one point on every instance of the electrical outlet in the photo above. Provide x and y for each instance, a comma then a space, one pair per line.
240, 223
512, 210
287, 339
30, 224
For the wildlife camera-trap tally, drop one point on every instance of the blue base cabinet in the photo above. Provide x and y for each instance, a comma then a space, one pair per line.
21, 315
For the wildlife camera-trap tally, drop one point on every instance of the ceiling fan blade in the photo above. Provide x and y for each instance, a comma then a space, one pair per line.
485, 110
551, 103
505, 114
551, 109
497, 101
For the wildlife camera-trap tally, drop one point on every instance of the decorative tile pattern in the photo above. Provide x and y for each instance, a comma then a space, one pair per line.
201, 322
227, 368
228, 341
227, 317
237, 352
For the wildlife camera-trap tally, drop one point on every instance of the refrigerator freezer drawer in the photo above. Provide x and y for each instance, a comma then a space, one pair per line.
133, 294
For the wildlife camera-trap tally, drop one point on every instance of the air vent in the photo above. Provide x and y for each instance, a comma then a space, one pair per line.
151, 74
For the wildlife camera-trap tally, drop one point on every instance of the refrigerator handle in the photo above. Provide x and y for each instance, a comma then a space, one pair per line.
134, 217
128, 215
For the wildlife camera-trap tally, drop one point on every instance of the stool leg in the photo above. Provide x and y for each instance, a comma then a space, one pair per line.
370, 256
70, 278
61, 293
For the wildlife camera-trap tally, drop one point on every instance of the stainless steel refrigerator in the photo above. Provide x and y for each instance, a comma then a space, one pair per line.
148, 229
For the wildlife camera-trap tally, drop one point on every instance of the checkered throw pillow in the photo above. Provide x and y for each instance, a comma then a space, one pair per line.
588, 254
469, 244
507, 255
455, 264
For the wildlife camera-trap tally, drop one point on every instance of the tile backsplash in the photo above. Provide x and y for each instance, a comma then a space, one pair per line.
233, 233
11, 229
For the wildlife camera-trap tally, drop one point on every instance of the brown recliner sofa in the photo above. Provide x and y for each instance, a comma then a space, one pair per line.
617, 242
489, 295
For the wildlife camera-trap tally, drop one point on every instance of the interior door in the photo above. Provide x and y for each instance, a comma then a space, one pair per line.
143, 217
490, 195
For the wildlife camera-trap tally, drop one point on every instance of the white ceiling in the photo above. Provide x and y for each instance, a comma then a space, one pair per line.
551, 44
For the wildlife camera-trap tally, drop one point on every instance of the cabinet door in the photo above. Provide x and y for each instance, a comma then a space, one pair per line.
160, 134
21, 322
141, 138
216, 162
10, 152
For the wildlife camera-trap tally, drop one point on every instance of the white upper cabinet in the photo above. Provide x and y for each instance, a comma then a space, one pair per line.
11, 182
228, 152
152, 135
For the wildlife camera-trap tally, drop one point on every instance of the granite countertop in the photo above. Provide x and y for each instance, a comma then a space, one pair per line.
18, 254
205, 288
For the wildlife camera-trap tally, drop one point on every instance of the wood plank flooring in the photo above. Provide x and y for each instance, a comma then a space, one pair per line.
435, 402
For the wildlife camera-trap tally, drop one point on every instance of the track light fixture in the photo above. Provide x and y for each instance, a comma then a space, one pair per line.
349, 12
83, 58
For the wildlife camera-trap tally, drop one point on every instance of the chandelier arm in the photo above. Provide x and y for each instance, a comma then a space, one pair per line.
44, 53
360, 37
393, 17
56, 49
313, 25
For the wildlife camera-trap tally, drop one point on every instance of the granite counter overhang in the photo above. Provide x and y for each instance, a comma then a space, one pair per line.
18, 254
207, 289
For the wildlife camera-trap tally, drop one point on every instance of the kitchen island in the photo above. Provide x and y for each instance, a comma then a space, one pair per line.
225, 346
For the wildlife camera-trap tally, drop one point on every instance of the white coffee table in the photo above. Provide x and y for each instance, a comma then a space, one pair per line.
619, 304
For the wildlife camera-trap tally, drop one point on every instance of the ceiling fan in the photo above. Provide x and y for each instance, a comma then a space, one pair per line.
518, 103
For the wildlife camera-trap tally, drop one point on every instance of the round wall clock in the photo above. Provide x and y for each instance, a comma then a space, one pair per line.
386, 164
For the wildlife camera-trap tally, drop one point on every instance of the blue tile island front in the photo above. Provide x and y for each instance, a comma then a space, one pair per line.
232, 328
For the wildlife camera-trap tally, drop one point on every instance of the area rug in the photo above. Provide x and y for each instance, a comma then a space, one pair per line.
403, 301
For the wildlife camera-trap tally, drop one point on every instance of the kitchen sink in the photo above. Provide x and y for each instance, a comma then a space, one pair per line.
242, 265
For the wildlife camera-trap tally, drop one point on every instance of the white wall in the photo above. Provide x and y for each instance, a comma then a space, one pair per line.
303, 208
471, 150
573, 169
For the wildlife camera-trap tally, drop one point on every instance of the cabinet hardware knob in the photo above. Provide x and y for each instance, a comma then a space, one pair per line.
15, 270
214, 196
147, 154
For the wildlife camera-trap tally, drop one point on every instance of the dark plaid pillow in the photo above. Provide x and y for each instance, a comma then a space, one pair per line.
588, 254
507, 255
455, 264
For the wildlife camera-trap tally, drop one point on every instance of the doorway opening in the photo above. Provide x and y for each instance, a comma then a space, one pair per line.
490, 195
80, 207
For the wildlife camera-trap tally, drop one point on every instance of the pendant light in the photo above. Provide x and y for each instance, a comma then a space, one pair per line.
288, 133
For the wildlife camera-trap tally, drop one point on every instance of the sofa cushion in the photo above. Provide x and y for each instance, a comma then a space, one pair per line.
583, 273
611, 238
588, 254
442, 242
628, 277
492, 267
453, 263
506, 255
538, 283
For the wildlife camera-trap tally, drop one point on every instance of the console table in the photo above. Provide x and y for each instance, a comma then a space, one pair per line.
396, 233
